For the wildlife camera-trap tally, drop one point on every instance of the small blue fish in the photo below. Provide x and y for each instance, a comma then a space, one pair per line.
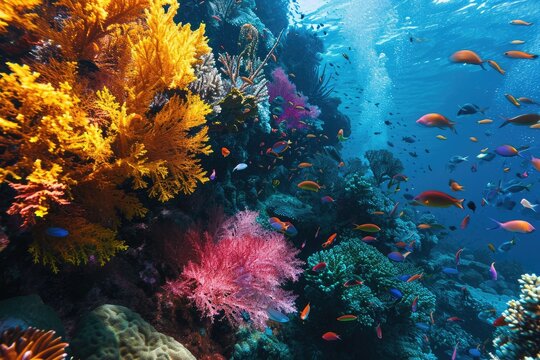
475, 353
404, 277
213, 175
396, 294
268, 331
277, 316
57, 232
239, 167
422, 326
450, 271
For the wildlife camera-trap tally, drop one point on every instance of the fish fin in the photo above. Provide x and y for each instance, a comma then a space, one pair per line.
506, 121
534, 56
459, 204
533, 207
483, 67
453, 127
499, 225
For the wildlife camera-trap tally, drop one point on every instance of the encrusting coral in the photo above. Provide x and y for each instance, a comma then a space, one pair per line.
75, 132
520, 339
31, 344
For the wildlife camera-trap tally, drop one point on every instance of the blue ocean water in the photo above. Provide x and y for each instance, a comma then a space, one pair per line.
400, 59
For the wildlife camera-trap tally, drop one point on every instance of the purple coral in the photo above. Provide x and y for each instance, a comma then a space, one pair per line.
239, 271
291, 106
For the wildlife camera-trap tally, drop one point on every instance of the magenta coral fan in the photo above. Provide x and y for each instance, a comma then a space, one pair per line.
239, 272
295, 105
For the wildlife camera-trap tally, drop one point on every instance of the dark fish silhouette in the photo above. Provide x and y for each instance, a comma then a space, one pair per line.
470, 109
471, 205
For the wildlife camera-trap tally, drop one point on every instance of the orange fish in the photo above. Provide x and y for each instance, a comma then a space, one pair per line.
520, 22
516, 54
377, 213
371, 228
424, 226
225, 152
512, 100
473, 139
467, 57
246, 80
465, 222
348, 317
305, 313
330, 240
436, 120
454, 185
304, 165
415, 277
496, 66
309, 185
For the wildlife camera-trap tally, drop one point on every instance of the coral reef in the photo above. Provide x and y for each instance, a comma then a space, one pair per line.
288, 104
31, 344
237, 273
29, 311
252, 344
114, 332
383, 164
519, 338
90, 142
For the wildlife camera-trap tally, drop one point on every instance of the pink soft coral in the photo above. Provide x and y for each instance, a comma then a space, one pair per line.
239, 271
300, 108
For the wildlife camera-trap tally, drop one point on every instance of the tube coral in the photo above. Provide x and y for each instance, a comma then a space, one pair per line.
69, 150
238, 272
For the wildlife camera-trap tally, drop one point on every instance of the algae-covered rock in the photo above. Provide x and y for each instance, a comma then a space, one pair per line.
26, 311
115, 332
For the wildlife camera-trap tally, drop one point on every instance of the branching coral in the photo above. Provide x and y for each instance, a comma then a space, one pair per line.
293, 107
383, 164
521, 340
70, 151
31, 344
209, 84
18, 13
238, 272
371, 302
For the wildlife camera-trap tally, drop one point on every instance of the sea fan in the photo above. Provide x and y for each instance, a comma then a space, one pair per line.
238, 273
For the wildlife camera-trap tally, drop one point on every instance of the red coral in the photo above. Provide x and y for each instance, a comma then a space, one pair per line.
239, 272
34, 199
295, 106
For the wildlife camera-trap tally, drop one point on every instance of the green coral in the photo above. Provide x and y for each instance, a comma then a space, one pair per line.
371, 301
252, 344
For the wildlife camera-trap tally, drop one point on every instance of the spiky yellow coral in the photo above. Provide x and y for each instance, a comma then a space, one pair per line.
18, 14
91, 144
156, 64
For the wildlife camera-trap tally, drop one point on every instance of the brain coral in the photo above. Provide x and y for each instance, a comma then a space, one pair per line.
115, 332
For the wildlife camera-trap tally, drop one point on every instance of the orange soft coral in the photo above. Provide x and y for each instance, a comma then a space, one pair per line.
91, 143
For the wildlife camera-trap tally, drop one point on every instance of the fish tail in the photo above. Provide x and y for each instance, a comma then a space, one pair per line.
499, 225
453, 128
534, 56
506, 121
459, 203
482, 66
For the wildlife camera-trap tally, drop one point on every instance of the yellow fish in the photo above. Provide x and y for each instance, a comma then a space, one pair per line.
517, 42
535, 126
473, 139
484, 150
520, 22
441, 137
485, 121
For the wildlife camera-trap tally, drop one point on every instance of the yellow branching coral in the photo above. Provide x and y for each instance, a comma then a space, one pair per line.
18, 13
72, 141
156, 64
